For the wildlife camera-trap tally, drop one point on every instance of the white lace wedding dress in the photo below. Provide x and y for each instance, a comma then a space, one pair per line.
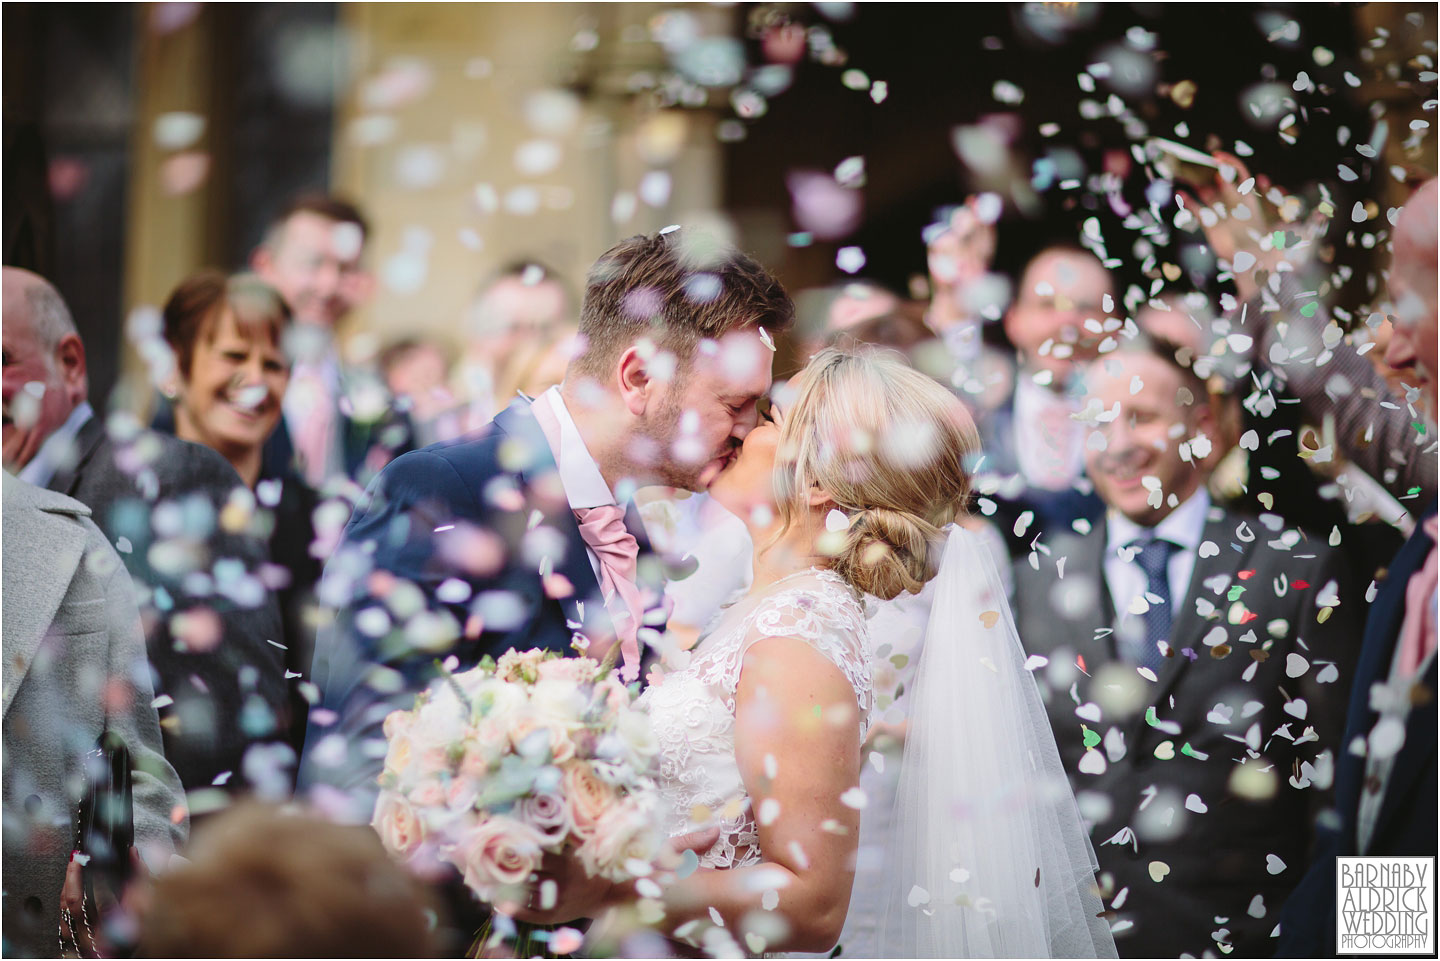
693, 709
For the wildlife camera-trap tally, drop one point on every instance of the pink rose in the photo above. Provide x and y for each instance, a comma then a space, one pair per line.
561, 747
395, 821
428, 794
576, 670
500, 851
586, 795
548, 814
461, 794
626, 832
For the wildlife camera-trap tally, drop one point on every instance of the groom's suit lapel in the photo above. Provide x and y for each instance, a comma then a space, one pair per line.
518, 422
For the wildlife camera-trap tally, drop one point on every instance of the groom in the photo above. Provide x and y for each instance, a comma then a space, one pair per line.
523, 534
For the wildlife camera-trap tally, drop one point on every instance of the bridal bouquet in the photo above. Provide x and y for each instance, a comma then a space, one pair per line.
498, 765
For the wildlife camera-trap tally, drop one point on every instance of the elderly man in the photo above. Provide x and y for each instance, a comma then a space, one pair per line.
1196, 666
338, 418
74, 669
212, 626
1385, 784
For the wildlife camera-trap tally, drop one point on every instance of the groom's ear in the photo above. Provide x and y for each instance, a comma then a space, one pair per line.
634, 380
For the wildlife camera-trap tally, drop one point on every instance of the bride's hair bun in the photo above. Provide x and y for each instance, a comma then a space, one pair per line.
888, 552
888, 445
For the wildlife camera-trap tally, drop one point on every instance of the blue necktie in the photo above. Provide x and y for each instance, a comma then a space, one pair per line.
1154, 560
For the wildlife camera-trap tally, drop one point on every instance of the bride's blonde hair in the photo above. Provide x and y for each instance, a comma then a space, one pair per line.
889, 445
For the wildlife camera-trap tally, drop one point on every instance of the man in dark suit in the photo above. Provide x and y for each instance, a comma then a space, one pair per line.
1033, 449
1197, 661
339, 419
1385, 782
520, 537
212, 627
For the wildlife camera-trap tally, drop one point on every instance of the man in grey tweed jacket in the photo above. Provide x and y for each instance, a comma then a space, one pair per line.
74, 667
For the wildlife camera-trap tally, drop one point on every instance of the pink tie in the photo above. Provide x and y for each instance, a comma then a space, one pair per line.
1417, 631
603, 529
316, 436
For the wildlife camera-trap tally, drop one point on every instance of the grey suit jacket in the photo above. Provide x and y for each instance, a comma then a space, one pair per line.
74, 667
230, 691
1213, 726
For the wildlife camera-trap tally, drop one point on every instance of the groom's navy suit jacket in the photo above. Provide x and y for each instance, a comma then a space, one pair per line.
460, 550
1406, 821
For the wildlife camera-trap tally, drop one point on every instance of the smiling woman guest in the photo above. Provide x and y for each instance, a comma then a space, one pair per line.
230, 378
232, 373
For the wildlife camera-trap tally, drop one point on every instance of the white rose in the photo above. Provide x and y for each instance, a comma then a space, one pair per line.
558, 702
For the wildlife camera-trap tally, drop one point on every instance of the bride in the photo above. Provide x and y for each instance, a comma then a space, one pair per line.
853, 494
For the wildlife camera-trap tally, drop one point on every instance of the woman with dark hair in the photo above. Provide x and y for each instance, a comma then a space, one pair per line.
230, 377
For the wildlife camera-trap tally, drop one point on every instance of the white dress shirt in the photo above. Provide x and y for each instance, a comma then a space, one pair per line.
584, 485
1183, 527
1050, 456
58, 450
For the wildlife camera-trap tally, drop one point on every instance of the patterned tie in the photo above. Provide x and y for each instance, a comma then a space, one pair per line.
604, 530
1154, 559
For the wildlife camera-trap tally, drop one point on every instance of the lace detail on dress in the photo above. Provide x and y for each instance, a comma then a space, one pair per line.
693, 710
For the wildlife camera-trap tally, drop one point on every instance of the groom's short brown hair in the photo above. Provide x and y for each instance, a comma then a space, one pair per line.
677, 287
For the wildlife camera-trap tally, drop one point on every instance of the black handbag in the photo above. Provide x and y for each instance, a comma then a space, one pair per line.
105, 828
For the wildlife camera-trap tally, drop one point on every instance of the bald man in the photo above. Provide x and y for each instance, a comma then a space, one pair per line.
1385, 784
211, 625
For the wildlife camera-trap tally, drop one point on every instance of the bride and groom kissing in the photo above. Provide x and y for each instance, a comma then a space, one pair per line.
525, 535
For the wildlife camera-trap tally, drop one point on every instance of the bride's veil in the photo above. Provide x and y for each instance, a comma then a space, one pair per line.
990, 858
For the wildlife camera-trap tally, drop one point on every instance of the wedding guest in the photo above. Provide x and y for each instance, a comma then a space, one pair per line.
209, 619
417, 373
338, 416
1034, 450
1197, 660
231, 377
268, 882
1301, 343
524, 304
74, 669
1385, 781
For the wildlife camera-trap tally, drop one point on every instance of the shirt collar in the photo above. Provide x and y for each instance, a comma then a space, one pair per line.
58, 450
1183, 527
580, 476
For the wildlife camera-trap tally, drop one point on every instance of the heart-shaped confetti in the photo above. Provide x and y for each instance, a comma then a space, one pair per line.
1328, 674
1092, 762
1209, 549
1194, 803
1295, 665
917, 896
1158, 871
1091, 738
1296, 708
989, 618
1165, 750
1273, 864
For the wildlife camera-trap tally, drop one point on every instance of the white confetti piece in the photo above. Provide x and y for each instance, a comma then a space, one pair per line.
1273, 864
